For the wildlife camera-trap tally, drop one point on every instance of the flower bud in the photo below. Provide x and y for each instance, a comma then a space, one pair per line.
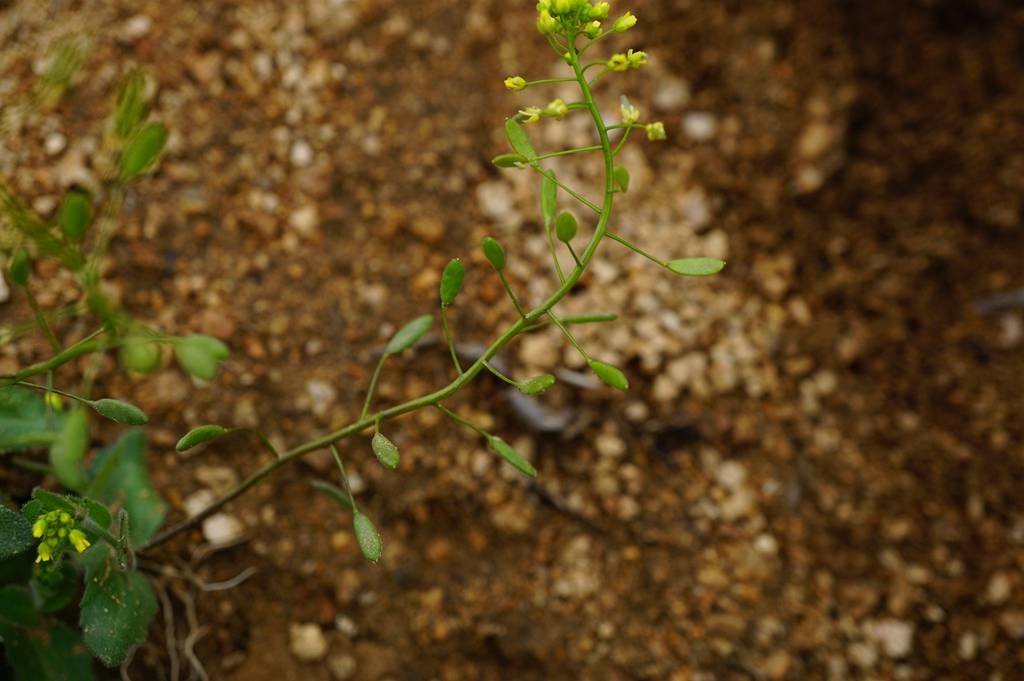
600, 10
624, 23
546, 23
656, 131
593, 29
630, 114
556, 109
515, 83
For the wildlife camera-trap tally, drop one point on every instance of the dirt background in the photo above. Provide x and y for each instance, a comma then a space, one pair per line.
817, 472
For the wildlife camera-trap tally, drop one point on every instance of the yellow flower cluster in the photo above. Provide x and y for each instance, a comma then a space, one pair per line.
54, 529
578, 16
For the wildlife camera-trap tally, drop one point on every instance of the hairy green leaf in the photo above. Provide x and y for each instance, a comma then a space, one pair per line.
120, 412
368, 537
385, 449
68, 451
141, 152
696, 267
117, 606
506, 452
199, 435
15, 533
609, 374
53, 653
451, 281
407, 336
121, 478
519, 140
54, 589
16, 606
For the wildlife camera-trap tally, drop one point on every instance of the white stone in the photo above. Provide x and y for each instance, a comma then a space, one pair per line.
999, 588
342, 666
321, 396
55, 143
301, 154
221, 529
895, 637
198, 501
731, 474
700, 126
308, 642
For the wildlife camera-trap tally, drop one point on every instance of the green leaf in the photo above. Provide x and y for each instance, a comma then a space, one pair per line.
15, 533
120, 412
25, 421
75, 214
494, 253
368, 537
53, 653
116, 609
132, 105
609, 374
200, 355
16, 606
621, 177
120, 477
508, 160
44, 501
199, 435
407, 336
142, 151
20, 267
519, 140
336, 493
548, 196
537, 384
140, 355
506, 452
451, 281
565, 226
385, 449
68, 451
696, 267
98, 513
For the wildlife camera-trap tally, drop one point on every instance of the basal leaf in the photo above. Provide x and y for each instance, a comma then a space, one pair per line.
116, 609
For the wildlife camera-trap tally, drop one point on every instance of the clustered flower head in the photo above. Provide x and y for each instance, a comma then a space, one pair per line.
55, 530
578, 16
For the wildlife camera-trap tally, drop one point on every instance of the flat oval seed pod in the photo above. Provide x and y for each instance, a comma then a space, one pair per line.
199, 435
19, 268
143, 149
451, 281
696, 267
508, 160
368, 537
609, 374
75, 214
120, 412
548, 196
200, 355
565, 226
407, 336
536, 385
140, 355
621, 177
494, 252
519, 140
506, 452
385, 450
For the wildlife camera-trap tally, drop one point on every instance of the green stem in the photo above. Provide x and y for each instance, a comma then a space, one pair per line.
508, 290
568, 334
448, 338
41, 319
458, 419
636, 249
577, 319
546, 81
529, 321
344, 478
569, 152
574, 194
493, 370
622, 142
373, 386
83, 347
573, 251
51, 389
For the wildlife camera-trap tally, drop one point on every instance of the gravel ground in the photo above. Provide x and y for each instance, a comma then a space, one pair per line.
817, 472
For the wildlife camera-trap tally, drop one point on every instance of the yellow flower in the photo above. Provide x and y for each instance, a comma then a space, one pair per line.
624, 23
546, 23
557, 108
45, 552
54, 401
530, 114
636, 59
656, 131
618, 62
515, 82
630, 114
39, 527
78, 540
593, 29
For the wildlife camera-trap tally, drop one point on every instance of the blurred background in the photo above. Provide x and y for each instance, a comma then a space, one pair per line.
818, 469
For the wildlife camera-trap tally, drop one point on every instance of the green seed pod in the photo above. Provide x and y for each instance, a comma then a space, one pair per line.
75, 214
512, 456
368, 537
339, 495
508, 160
565, 226
519, 140
621, 177
537, 384
142, 151
385, 450
140, 355
494, 252
68, 450
451, 281
120, 412
408, 335
548, 196
199, 435
199, 355
19, 268
609, 374
696, 267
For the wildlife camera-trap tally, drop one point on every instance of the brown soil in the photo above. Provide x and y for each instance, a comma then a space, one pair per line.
856, 482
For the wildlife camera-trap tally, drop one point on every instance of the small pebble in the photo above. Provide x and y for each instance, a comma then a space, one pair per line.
308, 642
